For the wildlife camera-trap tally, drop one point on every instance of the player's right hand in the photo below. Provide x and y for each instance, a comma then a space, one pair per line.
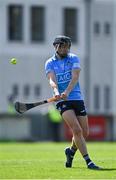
57, 97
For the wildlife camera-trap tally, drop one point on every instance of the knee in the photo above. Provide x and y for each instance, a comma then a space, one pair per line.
77, 131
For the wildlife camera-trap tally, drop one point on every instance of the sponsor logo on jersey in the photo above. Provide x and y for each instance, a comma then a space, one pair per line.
62, 78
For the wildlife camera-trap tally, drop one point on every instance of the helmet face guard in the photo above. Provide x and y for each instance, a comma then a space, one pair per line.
62, 40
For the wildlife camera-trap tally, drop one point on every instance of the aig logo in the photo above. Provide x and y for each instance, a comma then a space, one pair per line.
63, 77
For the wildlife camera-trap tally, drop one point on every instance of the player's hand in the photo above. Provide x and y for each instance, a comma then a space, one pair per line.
64, 95
57, 97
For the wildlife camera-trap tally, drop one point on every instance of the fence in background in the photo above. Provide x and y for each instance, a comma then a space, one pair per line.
37, 128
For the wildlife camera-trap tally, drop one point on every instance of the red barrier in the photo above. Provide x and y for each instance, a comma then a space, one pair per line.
97, 129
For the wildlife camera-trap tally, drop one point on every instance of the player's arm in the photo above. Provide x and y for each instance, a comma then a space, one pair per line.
52, 81
72, 83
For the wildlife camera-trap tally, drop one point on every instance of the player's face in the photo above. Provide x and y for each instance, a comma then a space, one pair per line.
62, 49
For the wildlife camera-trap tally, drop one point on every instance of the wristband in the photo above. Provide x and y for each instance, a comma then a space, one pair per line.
56, 91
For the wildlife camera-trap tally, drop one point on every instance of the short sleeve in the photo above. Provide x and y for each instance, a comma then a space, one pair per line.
48, 67
76, 63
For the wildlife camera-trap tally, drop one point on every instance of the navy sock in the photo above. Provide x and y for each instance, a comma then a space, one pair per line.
73, 150
87, 158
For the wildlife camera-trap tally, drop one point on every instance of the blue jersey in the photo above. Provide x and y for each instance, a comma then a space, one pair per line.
63, 72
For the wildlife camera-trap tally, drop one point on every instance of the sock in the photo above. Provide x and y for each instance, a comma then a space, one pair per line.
73, 150
87, 159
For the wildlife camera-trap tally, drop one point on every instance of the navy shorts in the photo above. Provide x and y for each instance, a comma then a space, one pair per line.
76, 105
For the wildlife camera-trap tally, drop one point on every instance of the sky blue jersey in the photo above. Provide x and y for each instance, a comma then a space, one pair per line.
63, 72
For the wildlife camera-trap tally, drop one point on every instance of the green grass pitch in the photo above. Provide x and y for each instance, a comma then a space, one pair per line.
46, 161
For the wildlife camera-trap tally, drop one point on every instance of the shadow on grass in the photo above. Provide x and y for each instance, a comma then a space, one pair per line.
107, 169
101, 169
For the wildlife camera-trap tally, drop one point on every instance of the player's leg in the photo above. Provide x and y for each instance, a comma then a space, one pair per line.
64, 106
73, 145
70, 151
79, 109
83, 120
85, 129
71, 119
